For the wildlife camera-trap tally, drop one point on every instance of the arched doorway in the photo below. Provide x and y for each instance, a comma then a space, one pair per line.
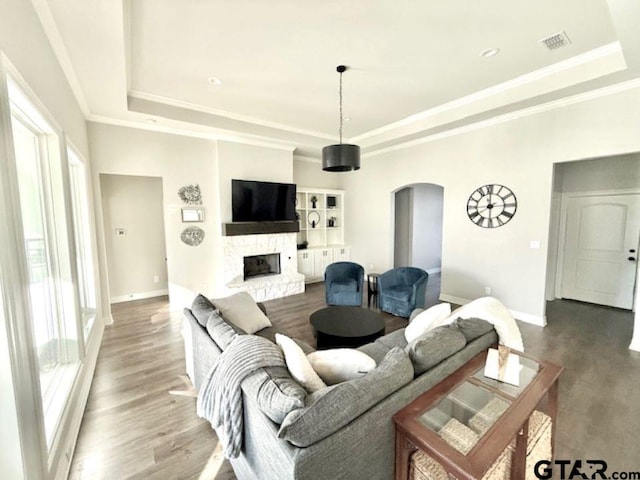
418, 231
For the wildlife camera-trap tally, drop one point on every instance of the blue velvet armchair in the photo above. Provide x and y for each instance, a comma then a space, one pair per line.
343, 282
401, 290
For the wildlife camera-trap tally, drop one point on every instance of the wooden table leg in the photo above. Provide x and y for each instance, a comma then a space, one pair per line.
519, 464
403, 451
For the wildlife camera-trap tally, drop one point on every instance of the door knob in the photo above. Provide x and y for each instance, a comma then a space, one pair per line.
632, 259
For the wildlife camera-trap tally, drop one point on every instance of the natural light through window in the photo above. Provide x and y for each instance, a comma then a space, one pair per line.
84, 244
47, 245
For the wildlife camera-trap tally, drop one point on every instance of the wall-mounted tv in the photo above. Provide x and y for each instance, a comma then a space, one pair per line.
253, 201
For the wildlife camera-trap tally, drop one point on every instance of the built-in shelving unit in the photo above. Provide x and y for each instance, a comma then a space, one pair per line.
322, 226
322, 221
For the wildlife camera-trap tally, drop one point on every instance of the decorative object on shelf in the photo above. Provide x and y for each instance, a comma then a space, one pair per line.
342, 157
331, 222
190, 194
192, 236
192, 214
314, 201
313, 218
303, 245
331, 201
491, 206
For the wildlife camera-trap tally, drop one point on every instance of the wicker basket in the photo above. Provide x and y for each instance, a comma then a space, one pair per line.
423, 467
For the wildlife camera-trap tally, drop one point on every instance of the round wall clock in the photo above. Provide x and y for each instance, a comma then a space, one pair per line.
491, 206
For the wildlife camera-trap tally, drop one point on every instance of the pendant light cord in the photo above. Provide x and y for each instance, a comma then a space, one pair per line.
341, 107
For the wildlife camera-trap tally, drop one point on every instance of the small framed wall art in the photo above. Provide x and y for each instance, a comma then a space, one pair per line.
192, 214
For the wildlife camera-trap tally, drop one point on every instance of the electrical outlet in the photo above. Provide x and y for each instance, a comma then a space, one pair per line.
487, 290
156, 279
534, 244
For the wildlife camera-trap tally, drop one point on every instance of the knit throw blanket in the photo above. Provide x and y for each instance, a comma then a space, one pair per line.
220, 396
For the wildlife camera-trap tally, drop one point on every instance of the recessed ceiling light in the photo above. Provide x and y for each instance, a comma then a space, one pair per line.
490, 52
151, 120
214, 81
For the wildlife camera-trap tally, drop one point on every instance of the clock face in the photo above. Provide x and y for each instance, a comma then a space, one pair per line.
491, 206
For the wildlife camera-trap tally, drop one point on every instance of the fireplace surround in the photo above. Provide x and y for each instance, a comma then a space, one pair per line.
264, 285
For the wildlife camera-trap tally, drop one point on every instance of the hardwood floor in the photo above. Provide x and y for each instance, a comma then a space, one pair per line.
140, 421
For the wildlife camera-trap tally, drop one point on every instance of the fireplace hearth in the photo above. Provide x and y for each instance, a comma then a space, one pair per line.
261, 265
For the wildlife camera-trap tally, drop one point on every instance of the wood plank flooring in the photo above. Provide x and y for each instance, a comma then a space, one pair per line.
133, 428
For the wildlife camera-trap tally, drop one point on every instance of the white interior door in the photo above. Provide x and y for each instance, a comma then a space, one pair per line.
601, 249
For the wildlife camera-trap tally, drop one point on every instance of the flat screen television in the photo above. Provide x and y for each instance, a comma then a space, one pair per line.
253, 201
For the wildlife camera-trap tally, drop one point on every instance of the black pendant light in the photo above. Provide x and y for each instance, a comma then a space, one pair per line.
342, 157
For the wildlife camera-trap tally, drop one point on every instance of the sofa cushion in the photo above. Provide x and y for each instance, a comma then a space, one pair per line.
393, 339
423, 321
220, 331
201, 309
338, 365
375, 350
275, 392
334, 407
434, 346
473, 328
241, 310
298, 364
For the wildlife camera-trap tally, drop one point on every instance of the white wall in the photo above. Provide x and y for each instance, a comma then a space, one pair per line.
134, 204
519, 154
403, 234
308, 173
427, 227
609, 173
178, 161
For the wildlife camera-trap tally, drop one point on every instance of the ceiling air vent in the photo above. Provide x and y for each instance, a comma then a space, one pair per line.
555, 41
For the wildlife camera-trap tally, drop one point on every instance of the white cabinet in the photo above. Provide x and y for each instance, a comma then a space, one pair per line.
341, 254
306, 263
323, 257
313, 262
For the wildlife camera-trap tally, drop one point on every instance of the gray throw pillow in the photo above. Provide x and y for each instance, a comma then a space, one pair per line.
241, 310
434, 346
276, 392
201, 309
220, 331
473, 328
333, 407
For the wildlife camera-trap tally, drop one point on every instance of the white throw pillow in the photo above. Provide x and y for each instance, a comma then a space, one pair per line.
242, 310
423, 320
340, 364
298, 364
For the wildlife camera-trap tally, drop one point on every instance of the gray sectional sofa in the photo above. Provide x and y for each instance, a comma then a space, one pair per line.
341, 432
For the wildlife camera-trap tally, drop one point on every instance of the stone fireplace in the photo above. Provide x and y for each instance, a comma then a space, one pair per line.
266, 282
261, 265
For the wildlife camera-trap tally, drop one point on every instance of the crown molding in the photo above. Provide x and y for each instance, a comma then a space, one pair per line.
223, 113
185, 132
526, 79
507, 117
305, 158
60, 51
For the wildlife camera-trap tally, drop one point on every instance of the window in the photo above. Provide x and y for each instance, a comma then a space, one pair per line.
51, 290
84, 243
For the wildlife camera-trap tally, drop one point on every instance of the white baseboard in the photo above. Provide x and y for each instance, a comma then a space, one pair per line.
433, 271
451, 299
524, 317
138, 296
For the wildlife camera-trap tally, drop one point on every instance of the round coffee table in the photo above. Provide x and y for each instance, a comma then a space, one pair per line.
346, 326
